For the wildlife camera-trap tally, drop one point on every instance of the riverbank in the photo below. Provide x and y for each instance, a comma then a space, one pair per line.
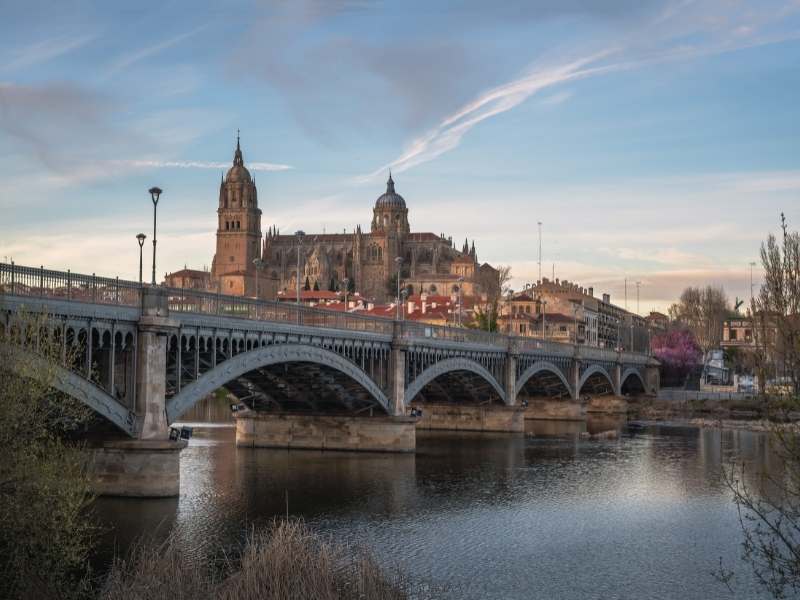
758, 415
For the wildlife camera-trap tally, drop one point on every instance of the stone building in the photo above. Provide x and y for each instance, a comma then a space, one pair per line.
364, 261
430, 263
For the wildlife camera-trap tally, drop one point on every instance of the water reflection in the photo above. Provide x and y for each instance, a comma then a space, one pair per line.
538, 515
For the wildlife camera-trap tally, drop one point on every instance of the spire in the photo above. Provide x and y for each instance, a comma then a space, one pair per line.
472, 249
465, 247
390, 184
237, 156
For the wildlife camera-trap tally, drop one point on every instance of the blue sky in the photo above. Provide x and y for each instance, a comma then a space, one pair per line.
657, 140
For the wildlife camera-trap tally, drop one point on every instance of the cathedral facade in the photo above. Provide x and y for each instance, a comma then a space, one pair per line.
363, 261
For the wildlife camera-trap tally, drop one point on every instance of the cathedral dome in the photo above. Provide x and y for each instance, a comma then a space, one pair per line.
238, 173
390, 199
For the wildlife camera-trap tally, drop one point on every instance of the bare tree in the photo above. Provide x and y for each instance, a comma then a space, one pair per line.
776, 310
702, 310
769, 501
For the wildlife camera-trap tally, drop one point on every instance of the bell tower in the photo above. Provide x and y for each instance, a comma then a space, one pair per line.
238, 223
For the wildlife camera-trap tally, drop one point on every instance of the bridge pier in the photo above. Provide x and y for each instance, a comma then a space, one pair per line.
470, 417
610, 404
148, 466
325, 432
554, 409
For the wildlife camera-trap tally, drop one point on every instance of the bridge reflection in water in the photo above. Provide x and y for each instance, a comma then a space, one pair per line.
645, 516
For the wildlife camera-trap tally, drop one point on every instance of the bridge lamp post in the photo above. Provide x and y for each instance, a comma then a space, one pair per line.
457, 288
258, 263
544, 313
399, 262
140, 237
299, 235
155, 194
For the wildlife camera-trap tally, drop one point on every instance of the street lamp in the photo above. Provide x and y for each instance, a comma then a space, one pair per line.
140, 237
299, 235
399, 262
575, 310
345, 283
457, 288
258, 263
155, 193
638, 284
544, 313
539, 223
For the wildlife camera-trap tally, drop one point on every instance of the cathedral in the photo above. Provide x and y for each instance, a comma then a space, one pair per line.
363, 261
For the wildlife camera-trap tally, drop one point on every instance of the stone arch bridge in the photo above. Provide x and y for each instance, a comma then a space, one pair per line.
143, 355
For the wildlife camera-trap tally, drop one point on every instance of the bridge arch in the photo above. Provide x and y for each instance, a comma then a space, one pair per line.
636, 375
83, 390
538, 367
265, 356
450, 365
592, 371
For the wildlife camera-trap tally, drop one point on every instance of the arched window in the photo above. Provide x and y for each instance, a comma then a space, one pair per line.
227, 225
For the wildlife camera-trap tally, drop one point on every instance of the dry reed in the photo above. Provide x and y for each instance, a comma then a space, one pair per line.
286, 561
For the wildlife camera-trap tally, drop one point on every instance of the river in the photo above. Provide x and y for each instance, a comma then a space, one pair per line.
544, 515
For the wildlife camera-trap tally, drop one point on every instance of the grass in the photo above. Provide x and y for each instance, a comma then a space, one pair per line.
285, 561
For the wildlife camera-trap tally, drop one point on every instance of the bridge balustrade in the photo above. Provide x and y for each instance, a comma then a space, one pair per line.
411, 330
46, 283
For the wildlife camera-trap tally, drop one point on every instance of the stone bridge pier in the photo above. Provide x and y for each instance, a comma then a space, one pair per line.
149, 464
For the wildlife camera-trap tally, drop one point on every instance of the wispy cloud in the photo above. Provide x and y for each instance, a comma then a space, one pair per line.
448, 134
557, 98
131, 58
196, 164
628, 55
45, 50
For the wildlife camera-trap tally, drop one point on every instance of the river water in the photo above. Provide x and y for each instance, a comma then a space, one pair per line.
542, 515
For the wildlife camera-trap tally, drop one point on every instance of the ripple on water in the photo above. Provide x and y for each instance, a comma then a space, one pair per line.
501, 516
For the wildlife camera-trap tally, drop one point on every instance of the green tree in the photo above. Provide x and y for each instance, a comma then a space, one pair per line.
332, 285
307, 285
316, 286
45, 535
485, 317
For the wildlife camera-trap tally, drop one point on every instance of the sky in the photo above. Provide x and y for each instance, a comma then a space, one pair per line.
655, 140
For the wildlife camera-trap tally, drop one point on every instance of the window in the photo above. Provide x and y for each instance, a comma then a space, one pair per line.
732, 335
227, 225
748, 335
528, 309
522, 328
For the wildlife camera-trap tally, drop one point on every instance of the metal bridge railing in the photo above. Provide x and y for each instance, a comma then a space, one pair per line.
183, 300
411, 329
46, 283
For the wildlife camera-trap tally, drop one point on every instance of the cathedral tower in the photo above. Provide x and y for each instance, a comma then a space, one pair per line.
390, 215
238, 228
